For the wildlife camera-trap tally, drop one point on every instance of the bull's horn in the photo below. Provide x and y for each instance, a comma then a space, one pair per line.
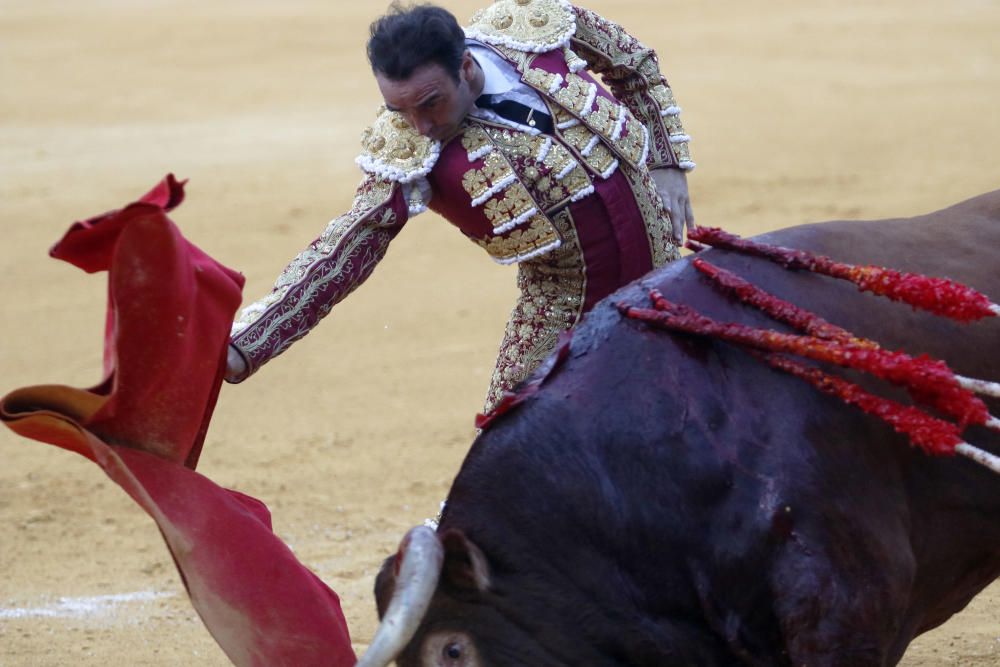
422, 557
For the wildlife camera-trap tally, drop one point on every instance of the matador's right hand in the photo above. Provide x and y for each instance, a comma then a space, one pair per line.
236, 367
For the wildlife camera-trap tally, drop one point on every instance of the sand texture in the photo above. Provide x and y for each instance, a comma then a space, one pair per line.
800, 111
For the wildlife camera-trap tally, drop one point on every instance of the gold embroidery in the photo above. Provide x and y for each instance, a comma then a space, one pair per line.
372, 193
552, 292
682, 151
497, 211
507, 206
561, 116
474, 139
663, 96
573, 61
536, 235
658, 225
520, 200
576, 181
496, 170
632, 73
392, 148
474, 183
544, 169
673, 124
515, 143
531, 25
631, 144
574, 95
522, 59
540, 79
558, 159
578, 136
598, 157
605, 118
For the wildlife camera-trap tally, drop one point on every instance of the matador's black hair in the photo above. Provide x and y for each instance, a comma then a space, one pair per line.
409, 37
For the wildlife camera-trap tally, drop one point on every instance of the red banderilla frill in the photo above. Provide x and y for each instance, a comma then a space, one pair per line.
928, 380
806, 321
936, 295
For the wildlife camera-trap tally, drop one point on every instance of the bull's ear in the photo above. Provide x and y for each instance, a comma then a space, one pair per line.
385, 584
465, 565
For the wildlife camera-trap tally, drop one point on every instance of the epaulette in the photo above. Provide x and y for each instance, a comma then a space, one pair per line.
527, 25
392, 149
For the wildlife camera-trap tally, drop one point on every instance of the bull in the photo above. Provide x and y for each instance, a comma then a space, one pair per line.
670, 500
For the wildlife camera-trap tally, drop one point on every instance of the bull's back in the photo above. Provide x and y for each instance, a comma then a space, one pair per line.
699, 454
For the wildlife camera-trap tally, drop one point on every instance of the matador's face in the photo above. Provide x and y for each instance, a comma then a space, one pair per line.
431, 100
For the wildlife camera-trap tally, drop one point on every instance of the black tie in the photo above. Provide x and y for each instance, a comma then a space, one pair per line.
519, 113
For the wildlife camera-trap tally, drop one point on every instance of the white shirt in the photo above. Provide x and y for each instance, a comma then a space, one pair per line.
503, 82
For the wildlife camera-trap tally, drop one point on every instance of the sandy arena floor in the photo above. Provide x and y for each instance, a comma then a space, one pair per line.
799, 112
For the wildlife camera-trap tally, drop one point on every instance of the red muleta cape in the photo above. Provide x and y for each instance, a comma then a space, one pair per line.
170, 308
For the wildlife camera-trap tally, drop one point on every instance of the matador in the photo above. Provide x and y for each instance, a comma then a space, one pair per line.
503, 130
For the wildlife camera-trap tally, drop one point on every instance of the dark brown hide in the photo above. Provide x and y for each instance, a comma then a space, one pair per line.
666, 500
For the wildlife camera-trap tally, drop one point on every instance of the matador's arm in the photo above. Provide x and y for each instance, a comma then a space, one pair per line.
632, 72
321, 275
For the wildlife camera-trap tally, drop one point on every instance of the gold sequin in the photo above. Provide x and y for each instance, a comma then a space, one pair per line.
663, 96
551, 301
574, 94
659, 228
631, 70
540, 79
474, 139
605, 118
392, 148
538, 233
536, 25
496, 169
633, 140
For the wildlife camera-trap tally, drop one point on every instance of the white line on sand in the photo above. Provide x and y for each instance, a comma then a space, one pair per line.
82, 606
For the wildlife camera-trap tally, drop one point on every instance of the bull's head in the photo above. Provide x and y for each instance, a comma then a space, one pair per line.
438, 608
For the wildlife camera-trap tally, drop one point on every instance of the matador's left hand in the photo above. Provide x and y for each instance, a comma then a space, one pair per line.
671, 184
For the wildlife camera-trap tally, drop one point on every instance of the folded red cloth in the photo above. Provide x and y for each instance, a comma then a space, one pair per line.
170, 307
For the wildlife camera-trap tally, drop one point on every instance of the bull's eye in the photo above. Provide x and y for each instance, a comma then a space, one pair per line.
449, 648
453, 651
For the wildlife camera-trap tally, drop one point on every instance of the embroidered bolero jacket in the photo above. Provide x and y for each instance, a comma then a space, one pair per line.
496, 182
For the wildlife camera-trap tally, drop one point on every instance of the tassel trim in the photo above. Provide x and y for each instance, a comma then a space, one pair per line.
482, 151
495, 188
573, 164
588, 105
511, 224
543, 152
610, 170
523, 257
589, 148
580, 194
390, 173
